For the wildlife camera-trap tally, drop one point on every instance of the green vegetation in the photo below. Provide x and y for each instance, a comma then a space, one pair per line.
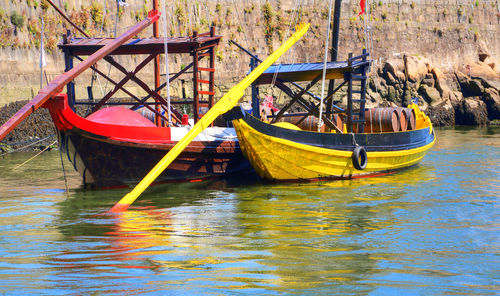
180, 13
17, 20
44, 5
268, 15
250, 9
219, 54
384, 16
96, 12
438, 31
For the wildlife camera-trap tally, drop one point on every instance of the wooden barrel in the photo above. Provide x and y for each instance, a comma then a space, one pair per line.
412, 123
381, 120
308, 124
403, 118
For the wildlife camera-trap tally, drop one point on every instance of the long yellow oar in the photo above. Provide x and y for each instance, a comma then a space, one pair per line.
228, 101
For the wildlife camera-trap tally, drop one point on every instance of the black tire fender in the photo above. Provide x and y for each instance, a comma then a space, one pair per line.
359, 158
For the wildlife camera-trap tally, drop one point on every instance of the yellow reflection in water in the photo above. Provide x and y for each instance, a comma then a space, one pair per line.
288, 236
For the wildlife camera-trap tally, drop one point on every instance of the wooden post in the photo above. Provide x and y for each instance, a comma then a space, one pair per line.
211, 87
196, 95
348, 77
156, 34
68, 65
255, 90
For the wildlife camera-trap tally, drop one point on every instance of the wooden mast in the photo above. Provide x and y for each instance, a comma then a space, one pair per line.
156, 34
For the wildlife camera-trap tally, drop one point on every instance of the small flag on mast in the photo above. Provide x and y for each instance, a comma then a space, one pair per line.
362, 3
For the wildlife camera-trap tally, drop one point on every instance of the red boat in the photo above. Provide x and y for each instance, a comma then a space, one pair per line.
115, 146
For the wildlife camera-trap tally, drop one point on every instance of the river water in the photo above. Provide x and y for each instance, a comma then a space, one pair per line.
429, 230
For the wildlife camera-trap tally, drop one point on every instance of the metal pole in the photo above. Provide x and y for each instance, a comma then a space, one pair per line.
167, 73
335, 46
320, 120
42, 55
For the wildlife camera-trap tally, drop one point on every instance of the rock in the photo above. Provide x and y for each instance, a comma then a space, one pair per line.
475, 87
471, 111
392, 94
390, 79
493, 66
490, 83
428, 81
430, 94
400, 76
394, 65
481, 69
373, 96
37, 126
482, 50
374, 83
442, 114
491, 98
382, 88
417, 68
437, 74
470, 87
456, 98
440, 84
461, 77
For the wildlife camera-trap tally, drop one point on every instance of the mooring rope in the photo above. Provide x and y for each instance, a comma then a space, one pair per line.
64, 172
18, 166
24, 147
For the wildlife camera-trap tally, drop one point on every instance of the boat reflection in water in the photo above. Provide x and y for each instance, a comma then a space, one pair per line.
243, 237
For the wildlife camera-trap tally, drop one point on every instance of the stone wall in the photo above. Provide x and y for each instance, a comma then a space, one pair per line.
449, 34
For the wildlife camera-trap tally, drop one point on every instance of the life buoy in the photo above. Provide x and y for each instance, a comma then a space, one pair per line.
359, 158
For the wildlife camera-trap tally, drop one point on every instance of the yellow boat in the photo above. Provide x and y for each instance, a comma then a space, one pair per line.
283, 151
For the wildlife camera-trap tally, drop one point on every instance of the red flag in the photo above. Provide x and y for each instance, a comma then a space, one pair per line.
362, 3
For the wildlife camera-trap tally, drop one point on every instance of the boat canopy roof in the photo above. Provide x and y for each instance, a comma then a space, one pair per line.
87, 46
306, 71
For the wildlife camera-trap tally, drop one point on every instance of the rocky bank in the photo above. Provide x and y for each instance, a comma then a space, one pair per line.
466, 96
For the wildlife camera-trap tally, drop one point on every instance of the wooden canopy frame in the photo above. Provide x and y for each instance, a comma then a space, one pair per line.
355, 68
198, 46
